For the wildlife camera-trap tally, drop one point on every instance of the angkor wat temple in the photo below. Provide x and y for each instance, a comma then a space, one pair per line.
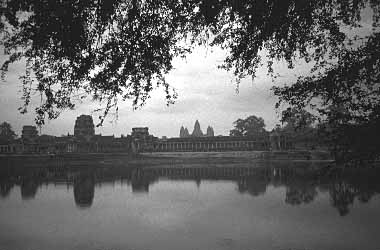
197, 131
84, 140
197, 141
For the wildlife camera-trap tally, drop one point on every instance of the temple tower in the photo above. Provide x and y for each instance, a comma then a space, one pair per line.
182, 132
197, 132
84, 126
29, 133
186, 133
210, 131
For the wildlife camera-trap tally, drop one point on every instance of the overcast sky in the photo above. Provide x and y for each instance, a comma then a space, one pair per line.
205, 93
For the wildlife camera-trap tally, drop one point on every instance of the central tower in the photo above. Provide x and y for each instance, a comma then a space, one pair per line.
197, 132
84, 126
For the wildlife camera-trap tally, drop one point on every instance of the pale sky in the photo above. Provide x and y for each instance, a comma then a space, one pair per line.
204, 92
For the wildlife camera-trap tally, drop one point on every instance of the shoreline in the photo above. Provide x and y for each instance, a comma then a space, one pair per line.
279, 155
259, 155
206, 159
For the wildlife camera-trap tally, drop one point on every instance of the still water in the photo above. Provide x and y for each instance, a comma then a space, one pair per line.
189, 206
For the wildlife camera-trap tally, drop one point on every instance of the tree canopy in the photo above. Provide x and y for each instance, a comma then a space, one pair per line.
115, 50
6, 133
295, 119
122, 49
249, 126
300, 127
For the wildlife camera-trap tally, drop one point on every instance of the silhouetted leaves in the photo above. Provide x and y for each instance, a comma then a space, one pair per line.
250, 126
348, 99
7, 134
122, 49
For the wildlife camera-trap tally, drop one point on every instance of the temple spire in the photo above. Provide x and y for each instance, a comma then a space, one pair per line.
182, 132
210, 131
186, 133
197, 132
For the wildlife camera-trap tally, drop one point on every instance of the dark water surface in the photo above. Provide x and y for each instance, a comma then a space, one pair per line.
189, 206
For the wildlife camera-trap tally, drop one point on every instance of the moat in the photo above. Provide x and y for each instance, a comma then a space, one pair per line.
206, 205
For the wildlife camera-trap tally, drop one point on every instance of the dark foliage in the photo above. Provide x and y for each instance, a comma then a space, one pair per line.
297, 119
7, 134
347, 188
299, 127
250, 126
122, 49
109, 50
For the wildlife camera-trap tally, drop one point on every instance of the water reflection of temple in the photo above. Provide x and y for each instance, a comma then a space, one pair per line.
302, 183
28, 188
84, 190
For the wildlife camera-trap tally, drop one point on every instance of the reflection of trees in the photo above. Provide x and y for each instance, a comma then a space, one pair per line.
198, 182
84, 189
255, 184
301, 182
5, 188
365, 197
6, 178
342, 196
141, 180
140, 185
344, 185
29, 188
367, 187
300, 192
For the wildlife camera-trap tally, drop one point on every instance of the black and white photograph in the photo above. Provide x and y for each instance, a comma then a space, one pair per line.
189, 124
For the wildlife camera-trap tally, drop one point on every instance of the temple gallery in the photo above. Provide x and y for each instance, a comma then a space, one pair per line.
84, 140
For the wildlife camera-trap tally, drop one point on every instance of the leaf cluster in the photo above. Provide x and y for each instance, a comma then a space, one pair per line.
249, 126
122, 49
6, 133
